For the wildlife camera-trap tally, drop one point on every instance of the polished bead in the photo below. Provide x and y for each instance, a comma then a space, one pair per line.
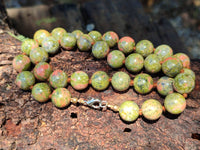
40, 35
61, 97
115, 59
41, 92
42, 71
144, 48
77, 33
175, 103
50, 44
25, 80
189, 72
151, 109
111, 38
28, 45
100, 49
143, 83
126, 44
120, 81
79, 80
134, 62
129, 111
184, 59
163, 51
84, 42
68, 41
38, 55
21, 63
58, 32
100, 80
95, 35
152, 63
165, 85
74, 100
58, 79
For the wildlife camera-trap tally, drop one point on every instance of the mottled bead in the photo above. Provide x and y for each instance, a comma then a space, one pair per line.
42, 71
152, 63
111, 38
184, 83
40, 35
95, 35
129, 111
61, 97
58, 79
68, 41
143, 83
163, 51
21, 63
189, 72
84, 42
28, 45
175, 103
115, 59
41, 92
38, 55
134, 62
58, 32
184, 59
100, 80
79, 80
171, 66
151, 109
165, 85
50, 44
77, 33
25, 80
144, 48
126, 44
120, 81
100, 49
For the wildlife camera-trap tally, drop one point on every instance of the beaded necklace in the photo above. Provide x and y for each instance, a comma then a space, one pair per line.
153, 60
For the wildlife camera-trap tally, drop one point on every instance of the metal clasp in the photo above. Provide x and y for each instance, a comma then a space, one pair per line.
97, 104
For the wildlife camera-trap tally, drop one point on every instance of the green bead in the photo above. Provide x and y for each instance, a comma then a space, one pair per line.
100, 49
189, 72
58, 32
77, 33
61, 97
79, 80
95, 35
126, 45
165, 85
50, 44
40, 35
68, 41
84, 42
120, 81
152, 63
41, 92
144, 48
184, 83
129, 111
111, 38
175, 103
38, 55
171, 66
143, 83
163, 52
28, 45
115, 59
42, 71
21, 63
25, 80
134, 62
100, 80
184, 59
58, 79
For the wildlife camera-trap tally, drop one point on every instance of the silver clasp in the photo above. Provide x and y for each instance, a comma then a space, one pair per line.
97, 104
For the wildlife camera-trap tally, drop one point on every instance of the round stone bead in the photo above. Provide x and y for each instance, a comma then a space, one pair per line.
152, 63
163, 51
21, 63
143, 83
61, 97
184, 59
171, 66
58, 79
58, 32
41, 92
77, 33
28, 45
38, 55
115, 59
134, 62
126, 44
79, 80
144, 48
95, 35
111, 38
40, 35
165, 85
25, 80
189, 72
100, 80
68, 41
84, 42
50, 44
151, 109
100, 49
42, 71
184, 83
175, 103
120, 81
129, 111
